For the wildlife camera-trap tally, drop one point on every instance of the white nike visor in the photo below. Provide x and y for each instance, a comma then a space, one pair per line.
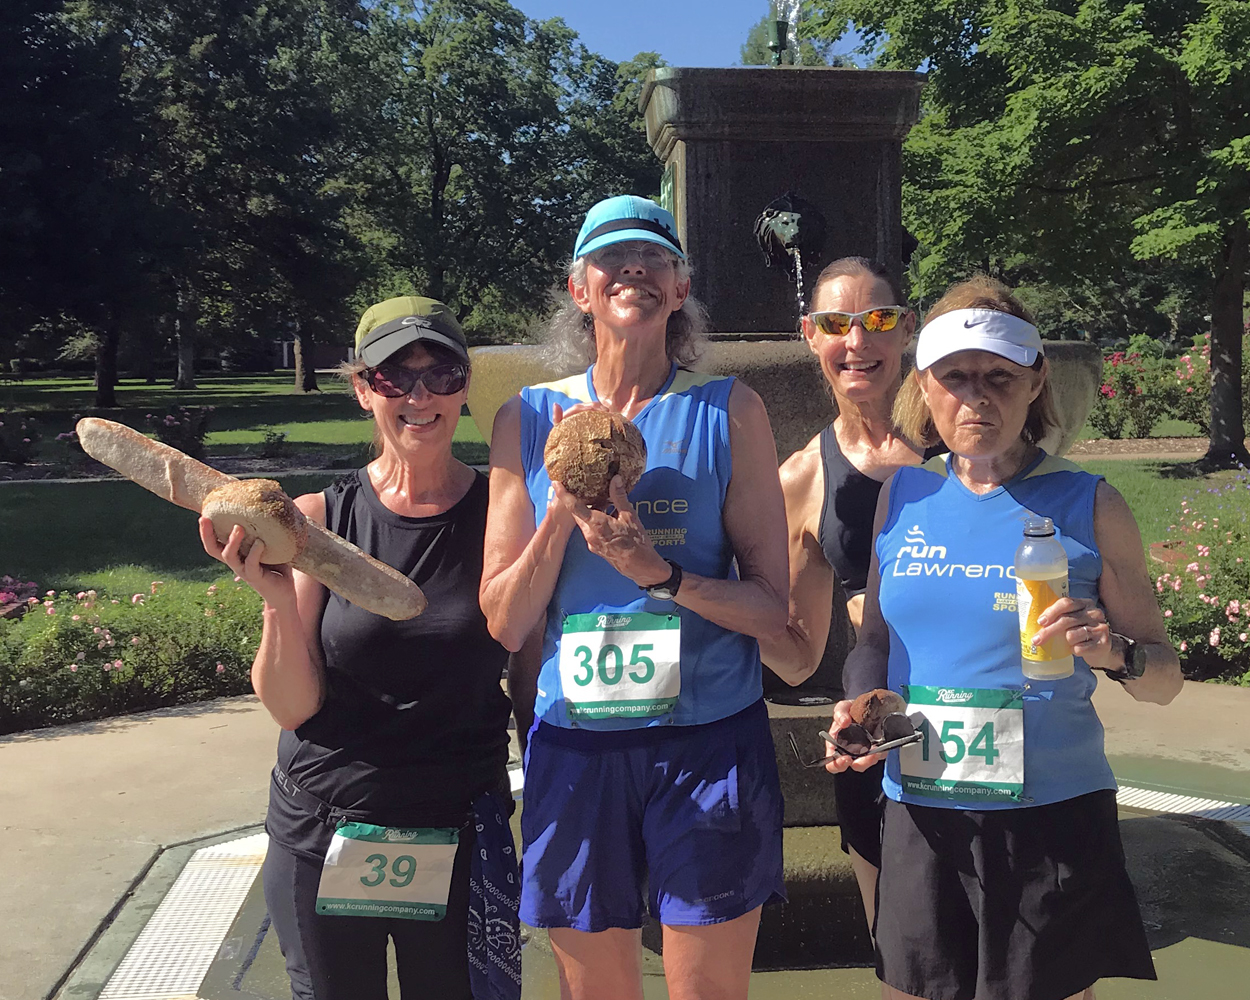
999, 333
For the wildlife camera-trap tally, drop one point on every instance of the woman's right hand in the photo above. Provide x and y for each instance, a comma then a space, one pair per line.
845, 762
275, 584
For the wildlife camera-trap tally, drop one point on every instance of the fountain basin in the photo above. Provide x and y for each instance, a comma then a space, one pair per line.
788, 379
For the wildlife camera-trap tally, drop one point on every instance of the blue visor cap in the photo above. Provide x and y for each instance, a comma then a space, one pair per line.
624, 218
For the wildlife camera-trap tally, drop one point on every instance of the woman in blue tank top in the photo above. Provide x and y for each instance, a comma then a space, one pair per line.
1003, 873
650, 780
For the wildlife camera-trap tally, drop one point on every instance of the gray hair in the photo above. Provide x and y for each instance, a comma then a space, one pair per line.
570, 333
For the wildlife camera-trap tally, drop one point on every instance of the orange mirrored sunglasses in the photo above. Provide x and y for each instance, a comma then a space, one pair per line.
882, 319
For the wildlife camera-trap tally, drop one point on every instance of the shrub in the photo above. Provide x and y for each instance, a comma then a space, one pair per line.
1132, 395
273, 443
1205, 597
14, 591
86, 656
183, 427
1190, 387
19, 438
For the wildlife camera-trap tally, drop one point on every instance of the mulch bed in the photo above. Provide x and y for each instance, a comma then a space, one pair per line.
1161, 447
234, 465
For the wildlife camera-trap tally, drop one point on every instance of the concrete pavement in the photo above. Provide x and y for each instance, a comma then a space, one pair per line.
87, 808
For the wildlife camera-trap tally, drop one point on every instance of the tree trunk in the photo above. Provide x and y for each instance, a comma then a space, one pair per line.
184, 338
146, 361
1228, 430
106, 365
305, 366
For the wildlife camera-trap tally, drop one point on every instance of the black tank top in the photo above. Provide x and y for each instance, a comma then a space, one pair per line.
847, 514
414, 725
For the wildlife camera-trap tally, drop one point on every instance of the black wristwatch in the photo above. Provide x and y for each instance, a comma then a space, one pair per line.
667, 590
1134, 665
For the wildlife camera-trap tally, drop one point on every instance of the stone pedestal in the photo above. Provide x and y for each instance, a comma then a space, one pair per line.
732, 140
789, 381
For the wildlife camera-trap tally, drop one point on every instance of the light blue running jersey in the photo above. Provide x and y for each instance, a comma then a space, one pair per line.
679, 500
948, 594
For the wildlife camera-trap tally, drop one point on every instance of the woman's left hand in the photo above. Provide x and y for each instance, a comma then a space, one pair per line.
1083, 625
620, 537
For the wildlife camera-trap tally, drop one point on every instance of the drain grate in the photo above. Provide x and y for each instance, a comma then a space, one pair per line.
170, 957
1186, 805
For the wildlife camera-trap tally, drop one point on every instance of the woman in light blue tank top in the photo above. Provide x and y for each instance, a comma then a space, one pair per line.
650, 768
1003, 875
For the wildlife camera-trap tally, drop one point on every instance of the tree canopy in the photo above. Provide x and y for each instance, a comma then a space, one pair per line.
214, 173
1094, 149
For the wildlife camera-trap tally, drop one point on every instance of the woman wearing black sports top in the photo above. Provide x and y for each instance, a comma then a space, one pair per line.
858, 329
388, 809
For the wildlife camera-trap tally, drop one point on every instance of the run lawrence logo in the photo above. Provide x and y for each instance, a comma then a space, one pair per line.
953, 696
918, 557
614, 621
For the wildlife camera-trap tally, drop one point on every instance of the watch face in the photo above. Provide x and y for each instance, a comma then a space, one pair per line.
660, 593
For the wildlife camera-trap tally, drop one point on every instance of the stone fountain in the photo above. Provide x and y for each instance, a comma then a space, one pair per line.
731, 142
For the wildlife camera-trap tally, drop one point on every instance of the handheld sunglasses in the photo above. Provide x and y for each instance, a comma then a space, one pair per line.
882, 319
393, 381
855, 741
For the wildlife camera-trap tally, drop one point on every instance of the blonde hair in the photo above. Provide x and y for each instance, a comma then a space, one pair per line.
911, 412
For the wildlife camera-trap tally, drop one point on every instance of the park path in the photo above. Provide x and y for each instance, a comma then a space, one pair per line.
89, 806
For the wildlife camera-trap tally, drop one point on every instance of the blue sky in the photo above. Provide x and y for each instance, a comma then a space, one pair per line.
684, 32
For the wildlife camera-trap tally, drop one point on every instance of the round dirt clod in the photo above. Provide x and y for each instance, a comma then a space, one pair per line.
264, 511
584, 451
871, 708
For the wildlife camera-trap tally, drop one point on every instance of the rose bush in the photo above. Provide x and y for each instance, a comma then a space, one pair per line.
19, 438
86, 655
1205, 595
1132, 395
183, 427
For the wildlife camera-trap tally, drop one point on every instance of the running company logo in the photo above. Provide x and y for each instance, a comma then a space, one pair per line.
917, 557
395, 835
953, 696
615, 621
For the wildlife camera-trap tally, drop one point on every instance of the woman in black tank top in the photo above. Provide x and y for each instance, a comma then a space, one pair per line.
858, 329
393, 732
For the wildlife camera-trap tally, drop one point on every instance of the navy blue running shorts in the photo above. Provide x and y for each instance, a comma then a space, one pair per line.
690, 813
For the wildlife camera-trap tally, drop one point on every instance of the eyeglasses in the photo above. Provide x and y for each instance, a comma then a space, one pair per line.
618, 254
394, 381
855, 741
882, 319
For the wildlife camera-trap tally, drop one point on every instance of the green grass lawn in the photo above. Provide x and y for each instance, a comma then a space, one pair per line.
1167, 428
1154, 489
117, 536
329, 422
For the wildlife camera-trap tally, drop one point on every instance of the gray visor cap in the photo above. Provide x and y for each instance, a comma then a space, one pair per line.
394, 336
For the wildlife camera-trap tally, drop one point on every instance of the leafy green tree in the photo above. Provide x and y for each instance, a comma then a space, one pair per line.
242, 146
1074, 138
496, 132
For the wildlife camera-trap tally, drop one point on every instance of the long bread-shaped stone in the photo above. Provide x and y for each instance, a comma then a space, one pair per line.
341, 566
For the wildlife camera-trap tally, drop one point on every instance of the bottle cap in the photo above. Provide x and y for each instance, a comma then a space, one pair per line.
1036, 526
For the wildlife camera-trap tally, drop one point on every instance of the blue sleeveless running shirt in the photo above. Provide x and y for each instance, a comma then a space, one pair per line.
948, 594
679, 499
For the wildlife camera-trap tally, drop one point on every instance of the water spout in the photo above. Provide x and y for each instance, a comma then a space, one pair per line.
785, 230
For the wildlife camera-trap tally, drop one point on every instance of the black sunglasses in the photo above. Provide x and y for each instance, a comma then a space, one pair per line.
394, 381
855, 741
